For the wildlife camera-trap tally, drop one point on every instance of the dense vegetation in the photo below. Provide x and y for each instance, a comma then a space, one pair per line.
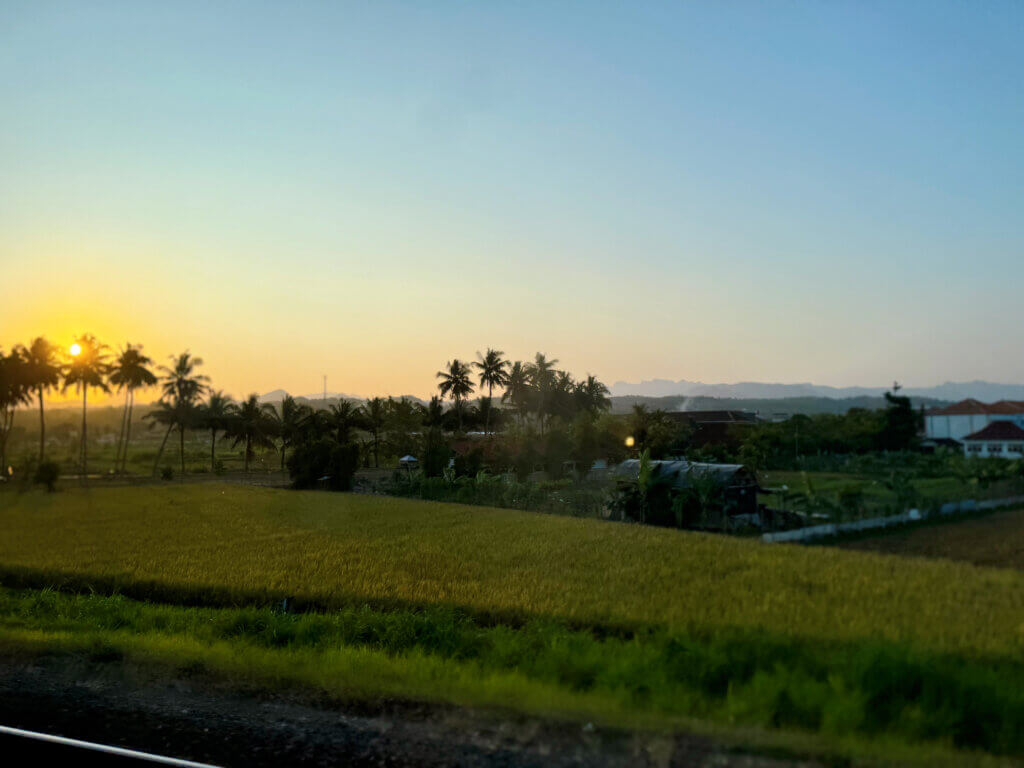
870, 689
483, 606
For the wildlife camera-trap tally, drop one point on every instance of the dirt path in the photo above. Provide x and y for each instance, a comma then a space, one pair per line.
105, 703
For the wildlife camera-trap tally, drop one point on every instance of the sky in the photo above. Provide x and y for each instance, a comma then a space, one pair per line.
715, 191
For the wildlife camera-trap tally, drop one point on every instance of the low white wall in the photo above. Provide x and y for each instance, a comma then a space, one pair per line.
905, 518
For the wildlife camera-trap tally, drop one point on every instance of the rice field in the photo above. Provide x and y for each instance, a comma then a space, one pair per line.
994, 540
230, 545
845, 654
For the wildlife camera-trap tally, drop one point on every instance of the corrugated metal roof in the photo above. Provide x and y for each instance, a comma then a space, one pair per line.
680, 471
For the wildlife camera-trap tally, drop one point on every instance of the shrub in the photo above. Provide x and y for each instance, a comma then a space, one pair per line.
436, 453
324, 458
47, 474
167, 473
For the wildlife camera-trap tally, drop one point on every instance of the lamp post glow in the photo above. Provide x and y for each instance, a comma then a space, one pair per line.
630, 442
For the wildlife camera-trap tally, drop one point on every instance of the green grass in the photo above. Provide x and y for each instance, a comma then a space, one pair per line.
471, 605
866, 700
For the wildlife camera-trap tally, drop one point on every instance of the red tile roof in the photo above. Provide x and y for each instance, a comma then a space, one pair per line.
972, 406
998, 431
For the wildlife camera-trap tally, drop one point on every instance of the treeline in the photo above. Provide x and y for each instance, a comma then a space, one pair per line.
784, 444
546, 418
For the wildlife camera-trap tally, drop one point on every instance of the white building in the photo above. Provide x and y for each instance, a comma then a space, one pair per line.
958, 421
1002, 439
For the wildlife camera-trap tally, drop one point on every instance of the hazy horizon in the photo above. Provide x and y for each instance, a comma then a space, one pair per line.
822, 193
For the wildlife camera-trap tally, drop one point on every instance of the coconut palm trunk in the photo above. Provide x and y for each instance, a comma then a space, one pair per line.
490, 402
8, 426
42, 428
120, 434
160, 453
181, 446
84, 451
213, 450
248, 447
127, 431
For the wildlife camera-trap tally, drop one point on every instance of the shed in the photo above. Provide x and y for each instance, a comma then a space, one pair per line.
739, 485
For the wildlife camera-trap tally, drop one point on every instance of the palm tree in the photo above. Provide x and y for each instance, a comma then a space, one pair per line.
290, 424
542, 378
166, 414
345, 417
433, 412
181, 387
88, 368
253, 423
374, 414
493, 373
42, 372
592, 396
14, 391
457, 384
215, 415
517, 389
129, 372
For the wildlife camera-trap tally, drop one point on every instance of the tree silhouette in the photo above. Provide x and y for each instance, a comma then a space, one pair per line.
542, 378
253, 423
290, 424
374, 415
42, 372
129, 372
493, 370
592, 396
14, 391
216, 415
88, 368
181, 387
456, 384
517, 389
433, 412
344, 417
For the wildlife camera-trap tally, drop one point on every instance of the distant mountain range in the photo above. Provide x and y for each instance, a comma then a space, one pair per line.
951, 391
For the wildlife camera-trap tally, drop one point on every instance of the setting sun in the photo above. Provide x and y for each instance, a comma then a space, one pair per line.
76, 349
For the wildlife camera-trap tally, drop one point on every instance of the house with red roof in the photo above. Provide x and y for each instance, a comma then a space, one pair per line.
1002, 439
967, 422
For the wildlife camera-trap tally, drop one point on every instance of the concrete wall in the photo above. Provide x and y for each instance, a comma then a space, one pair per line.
983, 449
909, 517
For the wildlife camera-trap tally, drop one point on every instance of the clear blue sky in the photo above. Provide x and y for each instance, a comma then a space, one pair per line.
719, 191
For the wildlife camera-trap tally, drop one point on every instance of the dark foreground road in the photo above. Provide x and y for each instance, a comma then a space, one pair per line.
185, 719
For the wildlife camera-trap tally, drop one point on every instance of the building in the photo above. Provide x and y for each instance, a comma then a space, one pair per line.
968, 417
737, 484
1001, 438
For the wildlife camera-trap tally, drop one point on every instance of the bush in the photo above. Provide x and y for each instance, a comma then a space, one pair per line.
167, 473
436, 453
324, 459
47, 474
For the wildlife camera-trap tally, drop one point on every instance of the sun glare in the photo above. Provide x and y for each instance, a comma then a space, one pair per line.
76, 349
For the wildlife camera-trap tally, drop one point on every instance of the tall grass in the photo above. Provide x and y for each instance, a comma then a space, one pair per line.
229, 545
869, 689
